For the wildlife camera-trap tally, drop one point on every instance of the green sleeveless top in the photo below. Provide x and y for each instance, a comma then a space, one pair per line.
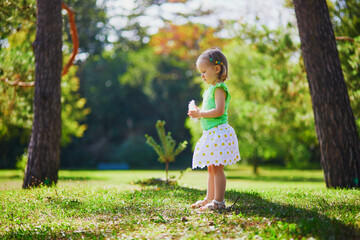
209, 103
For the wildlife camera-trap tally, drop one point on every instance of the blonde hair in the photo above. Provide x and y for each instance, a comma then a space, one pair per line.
216, 57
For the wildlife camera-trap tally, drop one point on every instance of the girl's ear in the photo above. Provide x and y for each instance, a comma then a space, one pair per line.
217, 68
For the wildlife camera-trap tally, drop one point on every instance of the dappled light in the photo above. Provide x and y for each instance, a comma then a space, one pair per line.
95, 204
86, 88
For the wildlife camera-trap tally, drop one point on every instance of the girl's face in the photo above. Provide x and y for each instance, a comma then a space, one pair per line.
209, 72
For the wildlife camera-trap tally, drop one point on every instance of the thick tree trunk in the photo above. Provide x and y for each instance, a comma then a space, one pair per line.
44, 148
334, 119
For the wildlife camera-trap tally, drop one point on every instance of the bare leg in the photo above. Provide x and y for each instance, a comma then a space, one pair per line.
210, 187
219, 182
210, 190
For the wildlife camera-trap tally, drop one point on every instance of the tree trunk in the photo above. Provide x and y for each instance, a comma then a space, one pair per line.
44, 148
256, 165
334, 119
167, 174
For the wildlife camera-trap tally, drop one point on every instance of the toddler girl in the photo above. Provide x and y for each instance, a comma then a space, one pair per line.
218, 146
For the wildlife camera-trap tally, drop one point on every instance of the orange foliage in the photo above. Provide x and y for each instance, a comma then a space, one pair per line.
74, 38
185, 41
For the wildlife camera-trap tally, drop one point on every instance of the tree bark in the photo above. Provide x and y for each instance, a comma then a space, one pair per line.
334, 118
44, 148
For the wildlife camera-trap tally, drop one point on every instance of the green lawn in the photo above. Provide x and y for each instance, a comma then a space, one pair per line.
277, 204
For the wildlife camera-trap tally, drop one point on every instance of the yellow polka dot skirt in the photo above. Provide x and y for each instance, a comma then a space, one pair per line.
217, 146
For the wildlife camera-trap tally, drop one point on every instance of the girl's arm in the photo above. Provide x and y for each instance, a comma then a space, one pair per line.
219, 109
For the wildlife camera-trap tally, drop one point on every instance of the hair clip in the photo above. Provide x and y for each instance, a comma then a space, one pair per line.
216, 62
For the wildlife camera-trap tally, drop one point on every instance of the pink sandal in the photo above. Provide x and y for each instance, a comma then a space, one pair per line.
201, 203
214, 205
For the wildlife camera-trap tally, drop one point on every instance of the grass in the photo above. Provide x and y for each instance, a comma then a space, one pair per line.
277, 204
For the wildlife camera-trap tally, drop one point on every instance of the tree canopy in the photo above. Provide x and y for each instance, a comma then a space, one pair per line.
120, 88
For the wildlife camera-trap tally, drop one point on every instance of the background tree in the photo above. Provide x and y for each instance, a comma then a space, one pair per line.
346, 21
128, 92
142, 76
132, 85
44, 148
92, 25
334, 119
17, 33
17, 63
271, 106
186, 41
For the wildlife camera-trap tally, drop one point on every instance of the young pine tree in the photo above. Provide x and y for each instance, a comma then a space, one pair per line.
166, 149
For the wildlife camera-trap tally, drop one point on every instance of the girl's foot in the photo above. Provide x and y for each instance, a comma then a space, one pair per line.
214, 205
201, 203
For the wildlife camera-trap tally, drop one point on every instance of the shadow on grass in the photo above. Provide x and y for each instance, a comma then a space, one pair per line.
147, 205
308, 222
276, 178
12, 177
80, 178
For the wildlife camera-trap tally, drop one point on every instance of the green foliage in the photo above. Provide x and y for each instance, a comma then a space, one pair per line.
13, 15
18, 56
127, 92
73, 109
346, 18
349, 55
133, 151
91, 23
17, 63
16, 106
22, 161
141, 71
270, 107
16, 103
129, 87
346, 21
195, 131
166, 149
87, 204
119, 117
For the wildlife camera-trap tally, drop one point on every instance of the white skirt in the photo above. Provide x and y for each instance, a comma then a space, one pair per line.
217, 146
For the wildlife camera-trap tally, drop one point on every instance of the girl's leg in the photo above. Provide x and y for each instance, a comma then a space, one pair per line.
210, 190
219, 182
210, 187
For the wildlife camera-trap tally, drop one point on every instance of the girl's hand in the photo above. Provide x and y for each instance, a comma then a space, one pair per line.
195, 113
219, 109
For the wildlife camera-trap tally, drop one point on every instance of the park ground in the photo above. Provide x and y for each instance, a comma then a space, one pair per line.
276, 204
